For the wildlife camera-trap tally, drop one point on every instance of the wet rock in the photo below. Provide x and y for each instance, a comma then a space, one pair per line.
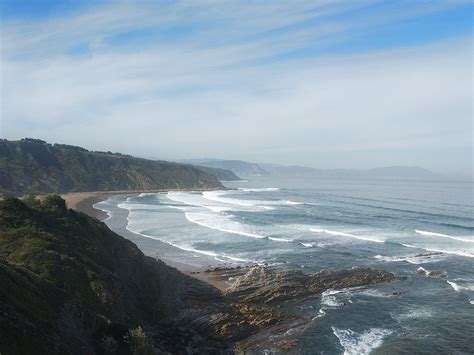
423, 271
264, 286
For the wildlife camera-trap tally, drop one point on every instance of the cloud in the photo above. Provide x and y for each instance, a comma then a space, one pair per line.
220, 84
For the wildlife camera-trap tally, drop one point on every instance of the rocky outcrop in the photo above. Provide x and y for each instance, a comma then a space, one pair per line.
255, 311
264, 286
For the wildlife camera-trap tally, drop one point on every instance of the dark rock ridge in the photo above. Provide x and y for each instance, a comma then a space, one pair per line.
258, 295
264, 286
32, 165
70, 285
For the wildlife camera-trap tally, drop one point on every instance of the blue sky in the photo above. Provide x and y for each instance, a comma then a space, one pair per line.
319, 83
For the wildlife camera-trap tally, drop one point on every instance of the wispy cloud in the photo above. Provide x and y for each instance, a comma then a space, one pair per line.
274, 81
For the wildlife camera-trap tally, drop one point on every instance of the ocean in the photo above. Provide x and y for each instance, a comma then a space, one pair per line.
422, 230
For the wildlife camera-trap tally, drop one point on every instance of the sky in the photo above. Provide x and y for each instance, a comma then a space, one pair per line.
326, 84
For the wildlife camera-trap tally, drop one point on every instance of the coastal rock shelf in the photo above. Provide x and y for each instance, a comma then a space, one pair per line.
264, 286
258, 316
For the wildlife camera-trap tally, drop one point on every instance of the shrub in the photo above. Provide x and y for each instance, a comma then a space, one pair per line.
138, 342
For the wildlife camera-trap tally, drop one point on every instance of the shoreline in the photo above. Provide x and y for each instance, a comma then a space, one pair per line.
84, 202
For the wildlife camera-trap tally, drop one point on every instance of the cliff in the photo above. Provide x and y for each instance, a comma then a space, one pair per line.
221, 174
31, 165
70, 285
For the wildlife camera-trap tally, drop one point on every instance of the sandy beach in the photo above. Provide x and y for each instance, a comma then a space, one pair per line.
84, 202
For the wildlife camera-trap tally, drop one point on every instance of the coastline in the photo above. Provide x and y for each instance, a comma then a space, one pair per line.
84, 202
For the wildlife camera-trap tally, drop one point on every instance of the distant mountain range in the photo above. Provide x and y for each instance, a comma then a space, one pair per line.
238, 167
391, 172
247, 170
32, 165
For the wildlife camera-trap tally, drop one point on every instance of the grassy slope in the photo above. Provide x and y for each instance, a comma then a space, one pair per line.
68, 281
35, 166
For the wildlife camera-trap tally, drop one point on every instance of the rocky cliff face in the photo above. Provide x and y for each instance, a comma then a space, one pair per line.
35, 166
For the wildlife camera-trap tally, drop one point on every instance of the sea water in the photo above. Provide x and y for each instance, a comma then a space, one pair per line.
410, 228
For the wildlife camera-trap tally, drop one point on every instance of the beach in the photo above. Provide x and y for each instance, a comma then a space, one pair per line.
403, 227
84, 202
406, 227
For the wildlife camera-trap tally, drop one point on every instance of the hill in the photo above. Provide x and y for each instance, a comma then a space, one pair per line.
70, 285
247, 169
220, 174
238, 167
393, 172
32, 165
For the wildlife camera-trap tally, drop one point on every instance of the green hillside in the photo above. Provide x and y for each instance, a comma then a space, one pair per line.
32, 165
70, 285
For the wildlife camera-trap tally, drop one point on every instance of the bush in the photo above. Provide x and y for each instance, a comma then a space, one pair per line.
54, 202
138, 342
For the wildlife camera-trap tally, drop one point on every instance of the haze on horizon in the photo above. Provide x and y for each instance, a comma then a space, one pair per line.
326, 84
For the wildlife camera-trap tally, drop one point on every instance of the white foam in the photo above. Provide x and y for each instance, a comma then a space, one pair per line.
228, 197
329, 299
373, 293
360, 343
137, 206
308, 245
343, 234
433, 234
98, 206
217, 196
143, 194
422, 270
264, 189
289, 202
452, 252
196, 200
276, 239
193, 250
412, 259
420, 313
221, 223
321, 313
456, 287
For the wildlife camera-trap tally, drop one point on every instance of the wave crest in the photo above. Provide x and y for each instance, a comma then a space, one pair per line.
360, 343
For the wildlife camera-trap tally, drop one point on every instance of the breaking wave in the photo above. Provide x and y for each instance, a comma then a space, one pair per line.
360, 343
433, 234
413, 259
452, 252
264, 189
343, 234
458, 288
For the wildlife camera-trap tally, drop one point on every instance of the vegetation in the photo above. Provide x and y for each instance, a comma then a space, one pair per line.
32, 165
70, 283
